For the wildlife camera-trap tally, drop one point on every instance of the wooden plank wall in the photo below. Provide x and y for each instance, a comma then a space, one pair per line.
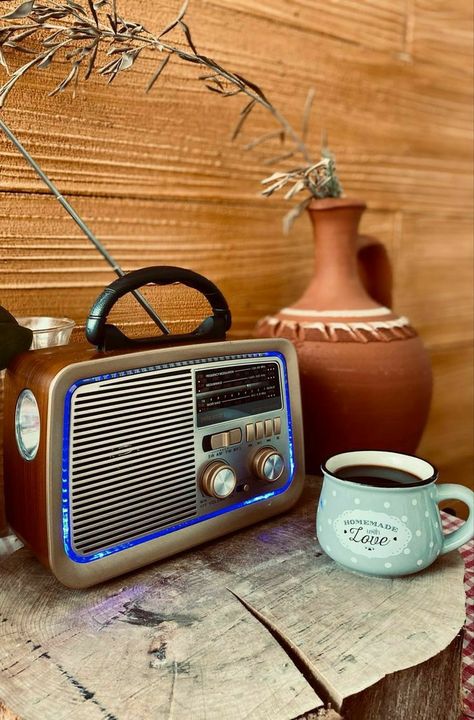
158, 179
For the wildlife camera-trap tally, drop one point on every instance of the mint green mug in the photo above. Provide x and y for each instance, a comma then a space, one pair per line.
378, 513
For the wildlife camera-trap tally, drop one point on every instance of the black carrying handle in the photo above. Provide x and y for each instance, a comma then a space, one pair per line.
109, 337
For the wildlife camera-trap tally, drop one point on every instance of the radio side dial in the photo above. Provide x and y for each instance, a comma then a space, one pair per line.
268, 464
218, 479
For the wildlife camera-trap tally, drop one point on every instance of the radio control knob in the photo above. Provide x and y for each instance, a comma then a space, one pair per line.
268, 464
218, 479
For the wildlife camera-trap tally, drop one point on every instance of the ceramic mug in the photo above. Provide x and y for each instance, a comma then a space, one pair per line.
387, 531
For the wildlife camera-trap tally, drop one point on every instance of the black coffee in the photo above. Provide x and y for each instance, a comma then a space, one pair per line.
379, 476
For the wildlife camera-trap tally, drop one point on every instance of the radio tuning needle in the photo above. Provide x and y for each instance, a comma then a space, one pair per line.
82, 225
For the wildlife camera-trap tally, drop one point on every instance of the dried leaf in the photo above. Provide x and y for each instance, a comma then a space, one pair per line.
51, 38
279, 158
9, 85
275, 187
307, 112
4, 62
158, 72
294, 214
76, 6
93, 12
114, 72
243, 116
21, 36
127, 60
274, 176
253, 87
264, 139
46, 62
109, 67
187, 57
316, 166
5, 89
19, 48
297, 187
21, 11
215, 79
112, 22
215, 89
91, 62
64, 83
324, 142
113, 50
174, 22
187, 33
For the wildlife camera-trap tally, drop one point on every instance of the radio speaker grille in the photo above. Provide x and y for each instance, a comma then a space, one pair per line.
132, 461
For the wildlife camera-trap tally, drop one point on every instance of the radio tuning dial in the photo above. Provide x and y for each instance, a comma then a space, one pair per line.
218, 479
268, 464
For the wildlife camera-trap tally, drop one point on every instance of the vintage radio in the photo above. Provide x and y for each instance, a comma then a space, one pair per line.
118, 457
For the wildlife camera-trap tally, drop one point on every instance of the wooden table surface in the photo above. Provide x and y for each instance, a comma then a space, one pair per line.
258, 625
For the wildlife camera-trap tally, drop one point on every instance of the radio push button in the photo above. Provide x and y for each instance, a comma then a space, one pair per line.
250, 432
268, 464
268, 428
219, 440
277, 425
260, 430
218, 479
235, 436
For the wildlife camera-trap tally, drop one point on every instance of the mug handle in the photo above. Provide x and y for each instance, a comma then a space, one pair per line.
450, 491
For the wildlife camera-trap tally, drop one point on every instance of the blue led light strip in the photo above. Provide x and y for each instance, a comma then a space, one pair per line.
65, 496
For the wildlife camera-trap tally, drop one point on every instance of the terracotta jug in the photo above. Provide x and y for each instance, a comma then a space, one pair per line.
365, 376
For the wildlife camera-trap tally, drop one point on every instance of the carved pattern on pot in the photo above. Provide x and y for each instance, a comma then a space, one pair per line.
363, 332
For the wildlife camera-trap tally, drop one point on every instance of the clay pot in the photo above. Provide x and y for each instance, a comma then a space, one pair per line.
365, 376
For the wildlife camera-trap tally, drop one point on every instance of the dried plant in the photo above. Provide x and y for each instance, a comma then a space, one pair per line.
84, 34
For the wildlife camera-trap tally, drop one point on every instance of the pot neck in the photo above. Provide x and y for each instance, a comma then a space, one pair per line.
336, 283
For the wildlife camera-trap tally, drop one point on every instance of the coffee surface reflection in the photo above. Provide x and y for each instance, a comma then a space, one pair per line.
379, 476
